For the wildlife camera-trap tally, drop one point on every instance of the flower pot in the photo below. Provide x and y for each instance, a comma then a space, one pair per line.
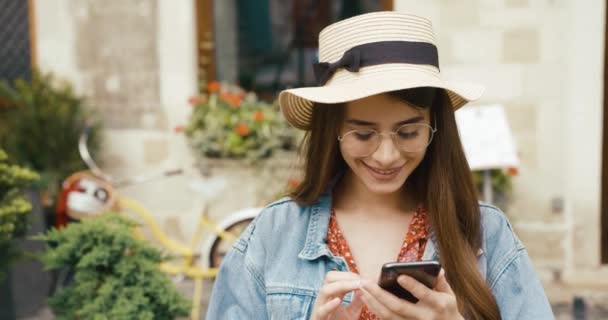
236, 184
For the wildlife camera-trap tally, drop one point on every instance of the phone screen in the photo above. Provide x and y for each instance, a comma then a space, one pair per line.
425, 272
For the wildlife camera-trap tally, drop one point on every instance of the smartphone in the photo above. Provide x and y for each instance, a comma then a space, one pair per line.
425, 272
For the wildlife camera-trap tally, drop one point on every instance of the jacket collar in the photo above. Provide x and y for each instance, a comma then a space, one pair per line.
318, 223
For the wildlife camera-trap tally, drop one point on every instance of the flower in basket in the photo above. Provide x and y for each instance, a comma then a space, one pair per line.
227, 122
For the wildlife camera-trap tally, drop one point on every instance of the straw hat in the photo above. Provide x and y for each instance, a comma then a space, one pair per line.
371, 54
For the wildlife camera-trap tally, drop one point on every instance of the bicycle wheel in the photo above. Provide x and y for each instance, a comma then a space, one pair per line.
221, 246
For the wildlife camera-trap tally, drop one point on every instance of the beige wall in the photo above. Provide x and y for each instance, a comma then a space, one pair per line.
542, 60
141, 144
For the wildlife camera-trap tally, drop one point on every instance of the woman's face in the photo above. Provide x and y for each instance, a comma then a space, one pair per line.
386, 169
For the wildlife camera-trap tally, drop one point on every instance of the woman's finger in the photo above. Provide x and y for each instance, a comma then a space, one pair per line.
414, 286
442, 284
333, 276
326, 310
337, 289
332, 292
376, 306
391, 302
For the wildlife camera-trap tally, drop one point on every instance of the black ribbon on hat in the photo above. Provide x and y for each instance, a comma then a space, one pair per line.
375, 53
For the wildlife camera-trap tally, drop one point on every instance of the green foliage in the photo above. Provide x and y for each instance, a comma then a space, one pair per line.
13, 207
116, 276
229, 123
40, 123
501, 181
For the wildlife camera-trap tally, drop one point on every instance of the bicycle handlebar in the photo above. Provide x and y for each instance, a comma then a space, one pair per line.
97, 171
83, 149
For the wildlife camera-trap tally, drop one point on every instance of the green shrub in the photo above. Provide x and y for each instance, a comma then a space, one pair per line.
116, 276
40, 123
13, 207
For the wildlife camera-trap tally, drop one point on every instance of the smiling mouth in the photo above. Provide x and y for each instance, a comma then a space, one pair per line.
386, 172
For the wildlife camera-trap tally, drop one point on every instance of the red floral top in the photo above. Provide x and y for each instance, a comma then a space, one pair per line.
411, 250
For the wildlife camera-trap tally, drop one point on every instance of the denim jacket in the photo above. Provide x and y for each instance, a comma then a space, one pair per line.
278, 265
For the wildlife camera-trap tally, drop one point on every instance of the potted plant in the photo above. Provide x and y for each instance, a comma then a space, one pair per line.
40, 123
242, 141
115, 275
229, 123
502, 185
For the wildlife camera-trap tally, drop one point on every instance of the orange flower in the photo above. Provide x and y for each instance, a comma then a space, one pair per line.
225, 96
231, 99
196, 100
242, 129
258, 116
513, 171
236, 101
293, 183
213, 86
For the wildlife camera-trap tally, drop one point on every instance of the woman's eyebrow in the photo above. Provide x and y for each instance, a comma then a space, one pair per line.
359, 122
410, 120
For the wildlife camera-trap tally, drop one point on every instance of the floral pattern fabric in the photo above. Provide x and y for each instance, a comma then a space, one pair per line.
411, 249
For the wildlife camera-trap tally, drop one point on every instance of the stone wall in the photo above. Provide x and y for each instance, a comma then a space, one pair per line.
542, 60
120, 68
135, 61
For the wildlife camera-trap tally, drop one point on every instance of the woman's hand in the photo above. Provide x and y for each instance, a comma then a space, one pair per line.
432, 304
328, 304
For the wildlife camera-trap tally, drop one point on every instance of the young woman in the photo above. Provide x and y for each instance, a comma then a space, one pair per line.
385, 180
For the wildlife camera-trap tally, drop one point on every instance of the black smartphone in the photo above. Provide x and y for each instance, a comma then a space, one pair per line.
425, 272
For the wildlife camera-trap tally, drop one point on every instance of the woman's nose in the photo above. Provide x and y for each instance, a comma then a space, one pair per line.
387, 153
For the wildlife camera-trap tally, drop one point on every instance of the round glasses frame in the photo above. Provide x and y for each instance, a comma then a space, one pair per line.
393, 135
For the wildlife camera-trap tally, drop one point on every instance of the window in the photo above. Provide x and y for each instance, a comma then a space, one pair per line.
16, 58
268, 45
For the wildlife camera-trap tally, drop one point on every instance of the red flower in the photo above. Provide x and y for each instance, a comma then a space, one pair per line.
231, 99
179, 129
214, 86
242, 129
513, 171
192, 101
258, 116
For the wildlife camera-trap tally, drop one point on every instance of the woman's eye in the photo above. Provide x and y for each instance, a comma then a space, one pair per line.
408, 134
363, 136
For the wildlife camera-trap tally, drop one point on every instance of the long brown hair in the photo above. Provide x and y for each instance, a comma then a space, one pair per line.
442, 182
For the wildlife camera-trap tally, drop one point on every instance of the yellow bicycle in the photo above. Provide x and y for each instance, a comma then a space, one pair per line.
88, 194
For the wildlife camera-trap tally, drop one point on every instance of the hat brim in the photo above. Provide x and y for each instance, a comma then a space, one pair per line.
297, 104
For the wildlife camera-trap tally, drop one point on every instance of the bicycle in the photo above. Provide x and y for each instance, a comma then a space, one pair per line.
89, 194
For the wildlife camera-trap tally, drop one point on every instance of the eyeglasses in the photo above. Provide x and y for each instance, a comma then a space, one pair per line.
408, 138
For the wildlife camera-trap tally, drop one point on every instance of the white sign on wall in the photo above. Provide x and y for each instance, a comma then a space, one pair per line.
487, 138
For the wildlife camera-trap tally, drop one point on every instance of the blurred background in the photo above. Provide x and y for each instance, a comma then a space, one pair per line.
190, 85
